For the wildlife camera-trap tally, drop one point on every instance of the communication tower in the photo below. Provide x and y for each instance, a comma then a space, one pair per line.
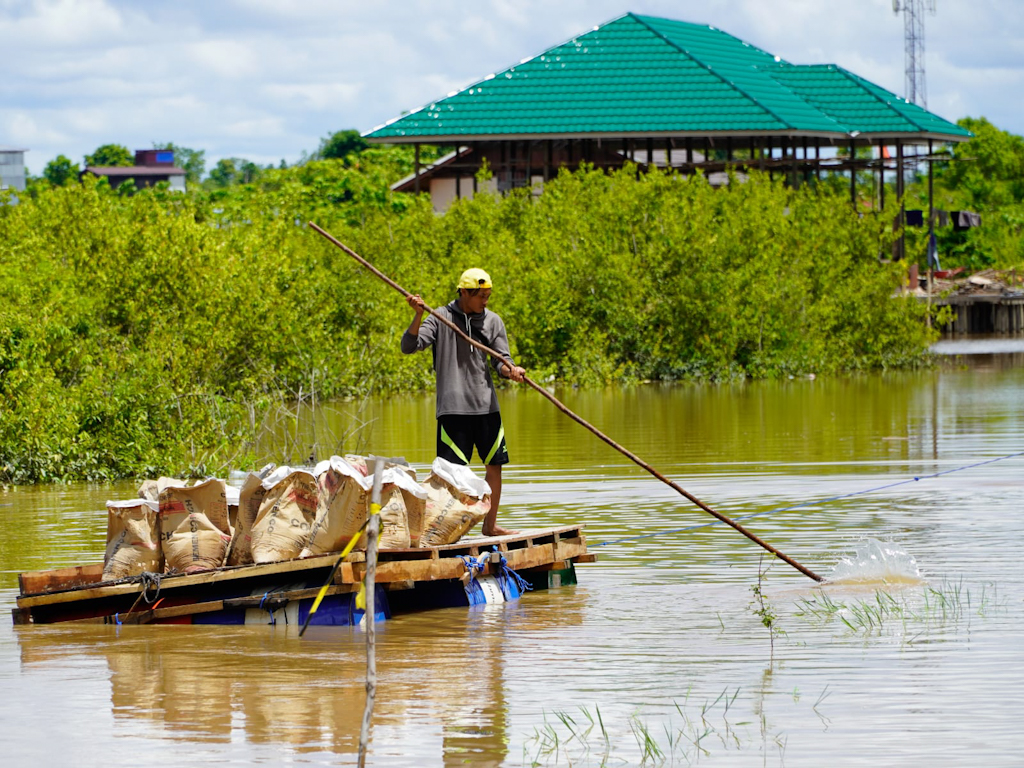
913, 23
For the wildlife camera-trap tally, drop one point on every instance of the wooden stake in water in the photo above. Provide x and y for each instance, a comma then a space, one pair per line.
579, 420
369, 615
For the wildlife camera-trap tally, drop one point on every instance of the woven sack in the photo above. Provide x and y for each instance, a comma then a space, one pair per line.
133, 539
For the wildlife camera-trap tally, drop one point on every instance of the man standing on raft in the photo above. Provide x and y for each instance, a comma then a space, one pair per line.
467, 406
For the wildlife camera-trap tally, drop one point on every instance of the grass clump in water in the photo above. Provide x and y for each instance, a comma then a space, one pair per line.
949, 603
701, 728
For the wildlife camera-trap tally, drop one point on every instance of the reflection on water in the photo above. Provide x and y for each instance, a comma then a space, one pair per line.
980, 345
656, 632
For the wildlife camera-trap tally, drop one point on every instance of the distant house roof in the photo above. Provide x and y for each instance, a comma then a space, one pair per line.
5, 148
119, 171
640, 76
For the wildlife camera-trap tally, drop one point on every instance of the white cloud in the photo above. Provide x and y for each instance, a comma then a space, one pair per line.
266, 79
313, 96
60, 23
225, 59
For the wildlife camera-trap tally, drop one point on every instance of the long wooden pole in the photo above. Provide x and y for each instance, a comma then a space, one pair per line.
370, 611
579, 420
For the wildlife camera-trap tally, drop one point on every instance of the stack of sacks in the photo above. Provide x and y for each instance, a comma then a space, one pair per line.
133, 539
194, 525
286, 515
456, 501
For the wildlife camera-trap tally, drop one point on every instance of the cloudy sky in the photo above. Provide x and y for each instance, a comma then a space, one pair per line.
267, 79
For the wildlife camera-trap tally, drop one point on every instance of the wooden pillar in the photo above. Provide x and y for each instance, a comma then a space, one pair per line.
771, 157
881, 174
689, 152
931, 231
416, 174
853, 174
528, 152
790, 153
650, 153
901, 247
931, 186
475, 148
791, 143
547, 159
458, 174
728, 149
817, 159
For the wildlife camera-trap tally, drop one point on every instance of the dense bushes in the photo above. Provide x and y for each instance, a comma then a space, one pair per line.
152, 333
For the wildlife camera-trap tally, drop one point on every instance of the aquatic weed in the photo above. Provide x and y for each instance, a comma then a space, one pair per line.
763, 609
945, 604
689, 732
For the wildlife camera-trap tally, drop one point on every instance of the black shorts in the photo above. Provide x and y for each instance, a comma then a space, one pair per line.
456, 436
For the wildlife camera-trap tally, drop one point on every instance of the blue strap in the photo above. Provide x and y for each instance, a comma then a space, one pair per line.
476, 565
509, 574
273, 621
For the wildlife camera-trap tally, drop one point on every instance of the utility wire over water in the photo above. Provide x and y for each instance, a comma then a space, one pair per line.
813, 503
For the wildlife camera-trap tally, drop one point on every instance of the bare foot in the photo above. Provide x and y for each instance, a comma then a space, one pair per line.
498, 531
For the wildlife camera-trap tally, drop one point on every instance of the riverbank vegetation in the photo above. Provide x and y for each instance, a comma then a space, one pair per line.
153, 332
984, 175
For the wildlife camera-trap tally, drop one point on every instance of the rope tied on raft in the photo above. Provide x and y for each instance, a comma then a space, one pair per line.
510, 575
150, 580
505, 574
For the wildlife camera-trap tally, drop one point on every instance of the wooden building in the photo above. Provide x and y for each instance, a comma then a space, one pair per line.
663, 93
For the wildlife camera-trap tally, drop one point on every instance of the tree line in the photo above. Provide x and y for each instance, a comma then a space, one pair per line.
226, 172
160, 333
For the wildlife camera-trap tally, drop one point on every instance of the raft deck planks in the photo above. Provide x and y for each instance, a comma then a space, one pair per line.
78, 594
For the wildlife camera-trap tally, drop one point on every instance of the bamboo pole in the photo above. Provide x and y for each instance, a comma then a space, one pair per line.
579, 420
369, 614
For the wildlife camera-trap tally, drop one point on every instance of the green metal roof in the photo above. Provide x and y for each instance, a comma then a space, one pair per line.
641, 76
860, 105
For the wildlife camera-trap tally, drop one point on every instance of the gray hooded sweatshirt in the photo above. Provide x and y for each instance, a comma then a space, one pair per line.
464, 385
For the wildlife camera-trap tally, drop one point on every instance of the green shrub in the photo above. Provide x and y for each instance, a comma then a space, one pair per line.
154, 332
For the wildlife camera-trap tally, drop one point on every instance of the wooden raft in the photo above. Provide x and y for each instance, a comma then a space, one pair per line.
79, 594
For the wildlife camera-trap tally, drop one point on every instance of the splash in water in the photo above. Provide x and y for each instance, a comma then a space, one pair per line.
877, 561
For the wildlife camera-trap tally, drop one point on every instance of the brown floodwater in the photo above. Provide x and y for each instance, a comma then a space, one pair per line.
911, 656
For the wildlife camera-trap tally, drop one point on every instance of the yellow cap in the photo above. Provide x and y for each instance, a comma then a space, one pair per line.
474, 278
